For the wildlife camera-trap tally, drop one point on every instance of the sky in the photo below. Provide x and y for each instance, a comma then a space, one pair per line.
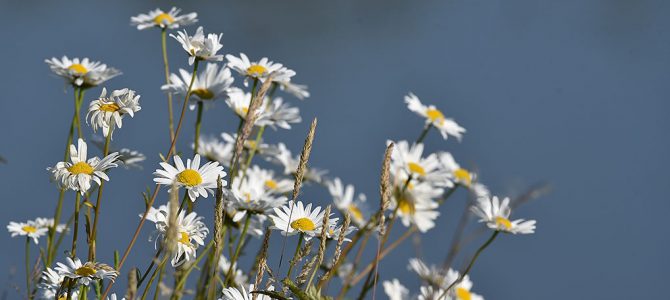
569, 93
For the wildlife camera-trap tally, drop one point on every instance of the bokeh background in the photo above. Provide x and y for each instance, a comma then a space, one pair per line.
573, 93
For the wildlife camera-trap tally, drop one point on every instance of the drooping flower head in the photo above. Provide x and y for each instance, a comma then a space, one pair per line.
161, 19
198, 180
82, 73
78, 173
199, 46
496, 216
107, 112
209, 85
434, 117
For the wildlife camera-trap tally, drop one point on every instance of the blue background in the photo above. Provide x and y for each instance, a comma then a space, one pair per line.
573, 93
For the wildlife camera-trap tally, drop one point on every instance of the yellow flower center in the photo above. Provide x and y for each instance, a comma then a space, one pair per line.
109, 107
29, 229
271, 184
251, 144
247, 197
504, 222
189, 177
355, 212
303, 224
62, 297
406, 206
185, 239
463, 175
242, 111
78, 68
256, 70
416, 168
435, 115
463, 294
81, 168
85, 271
163, 19
204, 94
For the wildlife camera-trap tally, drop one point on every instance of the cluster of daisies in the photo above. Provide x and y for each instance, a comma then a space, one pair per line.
255, 195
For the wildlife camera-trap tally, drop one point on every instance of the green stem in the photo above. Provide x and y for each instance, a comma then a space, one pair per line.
295, 254
28, 291
153, 276
161, 271
78, 112
424, 133
94, 231
472, 262
234, 166
184, 276
167, 81
198, 124
240, 242
76, 224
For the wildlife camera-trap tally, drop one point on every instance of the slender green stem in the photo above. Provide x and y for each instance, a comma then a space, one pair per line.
252, 152
240, 242
94, 231
153, 276
151, 265
161, 272
28, 291
295, 254
198, 124
424, 133
182, 279
75, 230
472, 262
235, 161
167, 81
78, 112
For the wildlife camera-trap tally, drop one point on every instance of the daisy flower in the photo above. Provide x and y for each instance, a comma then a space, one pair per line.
196, 179
239, 278
199, 46
460, 291
209, 85
343, 197
434, 117
430, 293
50, 283
279, 114
192, 232
49, 223
240, 293
77, 174
260, 147
298, 90
302, 220
458, 175
87, 272
409, 160
259, 70
131, 158
28, 229
82, 73
334, 232
163, 20
256, 193
416, 207
284, 158
109, 111
213, 149
395, 290
113, 297
496, 216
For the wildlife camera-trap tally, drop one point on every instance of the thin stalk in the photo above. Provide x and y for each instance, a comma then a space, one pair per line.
167, 81
161, 272
75, 230
240, 241
157, 188
424, 133
94, 231
153, 276
295, 254
182, 280
28, 291
77, 112
151, 265
472, 262
198, 124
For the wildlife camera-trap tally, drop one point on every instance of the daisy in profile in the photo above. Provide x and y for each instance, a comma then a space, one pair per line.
77, 174
199, 46
260, 147
82, 73
164, 20
239, 278
409, 160
458, 175
48, 223
298, 90
239, 101
395, 290
259, 70
198, 180
240, 293
214, 149
192, 232
279, 114
434, 117
431, 293
302, 220
107, 112
209, 85
496, 216
257, 193
415, 207
85, 273
49, 284
284, 158
28, 229
343, 197
334, 232
460, 291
